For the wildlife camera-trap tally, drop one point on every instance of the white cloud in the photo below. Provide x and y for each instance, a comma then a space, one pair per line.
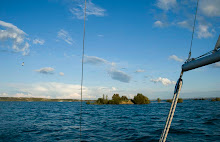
38, 41
100, 35
210, 7
3, 95
166, 4
164, 81
175, 58
91, 9
61, 74
216, 65
207, 9
159, 24
139, 71
185, 24
14, 35
114, 89
64, 35
46, 70
203, 31
119, 75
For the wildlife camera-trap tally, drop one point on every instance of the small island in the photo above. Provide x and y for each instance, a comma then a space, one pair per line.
116, 100
180, 100
215, 99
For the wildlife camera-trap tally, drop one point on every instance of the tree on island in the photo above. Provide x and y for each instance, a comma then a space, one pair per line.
141, 99
116, 98
158, 100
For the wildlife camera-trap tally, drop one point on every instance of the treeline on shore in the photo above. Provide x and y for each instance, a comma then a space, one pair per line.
22, 99
116, 99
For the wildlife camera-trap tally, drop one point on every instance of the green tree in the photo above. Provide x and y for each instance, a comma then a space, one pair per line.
99, 101
158, 100
116, 98
141, 99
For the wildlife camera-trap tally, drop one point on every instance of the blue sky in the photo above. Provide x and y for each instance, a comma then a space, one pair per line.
130, 47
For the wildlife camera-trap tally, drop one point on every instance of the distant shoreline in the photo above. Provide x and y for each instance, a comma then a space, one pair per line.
25, 99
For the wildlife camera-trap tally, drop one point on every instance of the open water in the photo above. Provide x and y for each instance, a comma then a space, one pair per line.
196, 121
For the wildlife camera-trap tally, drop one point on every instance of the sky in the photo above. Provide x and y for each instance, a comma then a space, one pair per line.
130, 47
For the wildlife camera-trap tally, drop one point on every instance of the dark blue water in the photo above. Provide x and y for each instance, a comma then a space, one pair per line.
59, 121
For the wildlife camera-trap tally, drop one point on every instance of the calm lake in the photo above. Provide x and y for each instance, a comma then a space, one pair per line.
194, 120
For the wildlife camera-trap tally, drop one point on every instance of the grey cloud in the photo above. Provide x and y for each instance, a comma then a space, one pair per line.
119, 75
94, 60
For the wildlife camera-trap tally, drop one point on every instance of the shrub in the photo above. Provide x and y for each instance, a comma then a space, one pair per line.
215, 99
141, 99
111, 102
88, 102
158, 100
180, 100
169, 100
99, 101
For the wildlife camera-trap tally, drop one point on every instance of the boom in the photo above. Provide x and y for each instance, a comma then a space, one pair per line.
206, 59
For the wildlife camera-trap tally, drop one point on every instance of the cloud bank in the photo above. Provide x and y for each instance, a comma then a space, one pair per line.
55, 90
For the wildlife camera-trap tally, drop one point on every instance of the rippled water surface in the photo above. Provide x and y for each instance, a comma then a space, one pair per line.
59, 121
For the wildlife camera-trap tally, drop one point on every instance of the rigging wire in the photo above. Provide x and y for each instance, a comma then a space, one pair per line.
193, 31
82, 71
177, 90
